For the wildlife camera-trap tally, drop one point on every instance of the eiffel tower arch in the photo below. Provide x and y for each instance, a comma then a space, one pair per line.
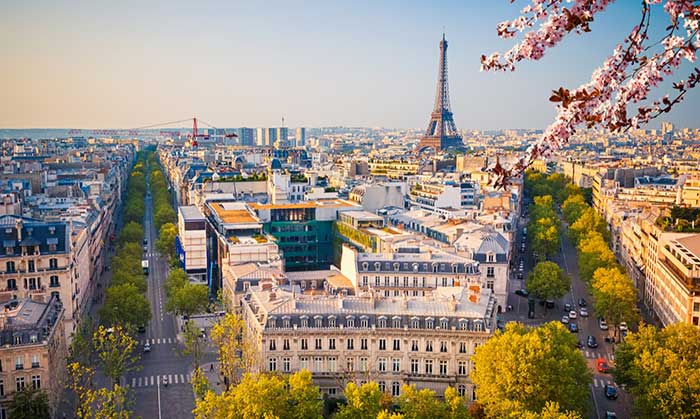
442, 131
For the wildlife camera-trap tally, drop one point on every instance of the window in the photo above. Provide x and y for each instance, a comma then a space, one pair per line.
364, 323
331, 343
428, 366
382, 322
462, 347
382, 386
19, 382
10, 267
415, 323
443, 346
304, 322
395, 388
285, 344
414, 345
473, 393
286, 365
365, 281
53, 263
363, 364
272, 364
462, 368
2, 388
429, 323
443, 367
304, 344
35, 358
304, 363
382, 344
11, 284
351, 344
696, 306
397, 323
489, 285
461, 390
429, 346
36, 382
444, 282
271, 322
382, 364
317, 342
490, 272
376, 281
414, 366
396, 365
273, 344
318, 364
30, 266
332, 362
397, 344
350, 364
491, 257
318, 322
54, 281
19, 363
350, 322
444, 324
331, 322
363, 344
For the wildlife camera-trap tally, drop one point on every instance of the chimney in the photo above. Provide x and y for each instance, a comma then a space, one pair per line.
18, 226
453, 303
271, 296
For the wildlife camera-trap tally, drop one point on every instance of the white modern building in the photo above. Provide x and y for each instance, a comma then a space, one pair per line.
192, 237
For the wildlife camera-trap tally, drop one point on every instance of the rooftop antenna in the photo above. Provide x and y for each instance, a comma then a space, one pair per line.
282, 121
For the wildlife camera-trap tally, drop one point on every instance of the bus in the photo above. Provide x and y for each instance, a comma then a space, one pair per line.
144, 265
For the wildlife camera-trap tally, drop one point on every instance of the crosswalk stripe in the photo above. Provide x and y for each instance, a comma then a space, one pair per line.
139, 381
176, 379
152, 380
158, 341
182, 378
170, 379
189, 378
133, 382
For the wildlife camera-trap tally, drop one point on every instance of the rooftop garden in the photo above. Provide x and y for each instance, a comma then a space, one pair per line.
681, 220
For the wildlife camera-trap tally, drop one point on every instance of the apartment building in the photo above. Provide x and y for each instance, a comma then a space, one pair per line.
425, 341
32, 349
191, 243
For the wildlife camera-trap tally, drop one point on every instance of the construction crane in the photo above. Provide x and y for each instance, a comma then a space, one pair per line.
135, 132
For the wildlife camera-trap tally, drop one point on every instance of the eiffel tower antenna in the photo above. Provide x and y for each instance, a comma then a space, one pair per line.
442, 132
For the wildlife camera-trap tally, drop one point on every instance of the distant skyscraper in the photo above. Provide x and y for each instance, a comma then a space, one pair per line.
283, 136
442, 131
270, 136
260, 137
246, 136
301, 137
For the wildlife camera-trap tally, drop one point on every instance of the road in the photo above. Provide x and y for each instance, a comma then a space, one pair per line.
166, 359
567, 260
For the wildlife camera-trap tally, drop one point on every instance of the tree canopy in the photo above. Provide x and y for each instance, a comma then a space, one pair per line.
548, 281
614, 296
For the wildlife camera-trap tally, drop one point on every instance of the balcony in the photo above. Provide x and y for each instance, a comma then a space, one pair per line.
35, 365
19, 367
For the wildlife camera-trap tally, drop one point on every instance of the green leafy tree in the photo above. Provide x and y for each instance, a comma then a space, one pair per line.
81, 347
587, 222
132, 232
573, 207
614, 296
420, 404
164, 214
125, 305
188, 300
546, 240
177, 278
116, 351
193, 342
200, 384
509, 370
547, 281
594, 253
661, 368
166, 240
237, 353
29, 404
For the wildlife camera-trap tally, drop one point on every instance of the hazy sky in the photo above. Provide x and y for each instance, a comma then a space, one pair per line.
121, 64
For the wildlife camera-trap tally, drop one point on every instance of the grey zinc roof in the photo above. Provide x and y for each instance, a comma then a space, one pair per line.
191, 213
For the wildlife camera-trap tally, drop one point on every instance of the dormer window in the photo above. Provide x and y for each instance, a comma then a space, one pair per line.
318, 321
382, 322
377, 266
490, 257
444, 324
397, 266
429, 323
365, 266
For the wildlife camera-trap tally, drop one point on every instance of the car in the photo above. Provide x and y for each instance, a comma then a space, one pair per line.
142, 329
572, 314
610, 392
145, 241
582, 302
583, 312
623, 327
565, 319
549, 303
609, 414
202, 333
602, 365
579, 344
520, 269
522, 292
567, 307
602, 324
147, 347
145, 248
573, 328
591, 342
520, 275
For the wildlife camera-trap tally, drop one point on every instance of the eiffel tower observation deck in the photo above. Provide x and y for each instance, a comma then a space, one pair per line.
442, 132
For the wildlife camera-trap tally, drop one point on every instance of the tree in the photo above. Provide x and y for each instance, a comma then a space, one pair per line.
132, 232
594, 253
193, 342
264, 396
420, 404
177, 278
188, 300
103, 403
614, 295
200, 384
588, 221
81, 347
29, 404
364, 402
116, 353
546, 240
573, 207
237, 353
547, 281
455, 405
509, 370
617, 96
164, 214
166, 240
661, 369
125, 305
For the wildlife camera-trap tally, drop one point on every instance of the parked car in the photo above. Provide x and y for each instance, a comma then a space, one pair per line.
583, 311
520, 275
591, 342
602, 324
565, 319
610, 392
145, 241
147, 347
522, 292
610, 414
572, 314
602, 365
623, 327
567, 307
582, 302
573, 328
142, 329
549, 303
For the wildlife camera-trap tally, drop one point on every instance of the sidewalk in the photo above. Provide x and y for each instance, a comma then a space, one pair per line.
216, 381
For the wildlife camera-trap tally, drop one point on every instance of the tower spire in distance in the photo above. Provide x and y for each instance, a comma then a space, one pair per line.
442, 131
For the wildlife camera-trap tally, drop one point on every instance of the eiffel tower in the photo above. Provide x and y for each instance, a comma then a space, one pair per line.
442, 132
